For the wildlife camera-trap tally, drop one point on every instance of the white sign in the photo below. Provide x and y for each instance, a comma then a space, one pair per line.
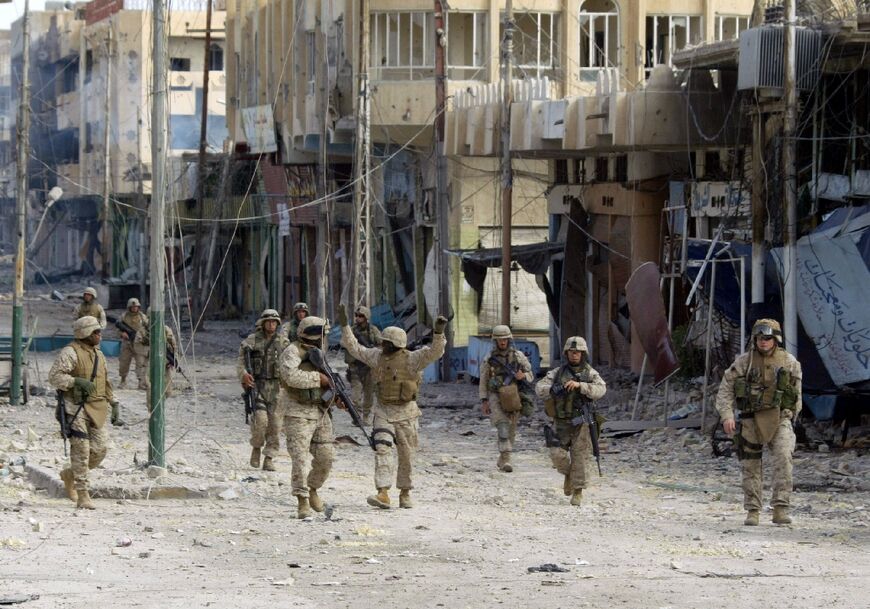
259, 127
283, 220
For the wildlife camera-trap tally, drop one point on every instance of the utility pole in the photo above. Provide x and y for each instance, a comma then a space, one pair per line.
790, 187
156, 422
105, 248
23, 135
442, 197
759, 211
361, 210
140, 198
507, 177
200, 183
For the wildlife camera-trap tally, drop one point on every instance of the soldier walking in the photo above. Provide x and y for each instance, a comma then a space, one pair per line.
360, 376
130, 349
80, 373
143, 339
764, 387
300, 312
90, 306
263, 349
307, 418
397, 374
565, 390
499, 391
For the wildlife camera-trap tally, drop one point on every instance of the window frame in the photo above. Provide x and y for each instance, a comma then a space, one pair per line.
590, 18
380, 72
479, 20
525, 70
722, 17
655, 51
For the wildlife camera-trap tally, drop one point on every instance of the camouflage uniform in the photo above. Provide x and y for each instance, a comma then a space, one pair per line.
571, 457
766, 392
268, 416
396, 415
92, 308
493, 377
132, 350
89, 440
360, 376
307, 420
143, 339
289, 330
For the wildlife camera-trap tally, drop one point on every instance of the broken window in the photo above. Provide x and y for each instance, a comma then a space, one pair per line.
666, 34
536, 44
215, 57
403, 45
467, 46
599, 37
179, 64
728, 27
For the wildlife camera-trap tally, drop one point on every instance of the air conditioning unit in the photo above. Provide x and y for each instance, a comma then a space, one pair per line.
761, 63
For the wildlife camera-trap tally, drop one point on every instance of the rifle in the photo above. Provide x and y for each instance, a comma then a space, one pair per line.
551, 439
250, 395
173, 362
524, 385
589, 418
122, 326
60, 414
317, 359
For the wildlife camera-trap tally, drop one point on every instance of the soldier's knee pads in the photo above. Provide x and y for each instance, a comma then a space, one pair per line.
504, 431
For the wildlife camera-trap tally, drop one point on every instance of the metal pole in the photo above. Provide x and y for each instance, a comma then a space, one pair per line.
442, 232
790, 190
507, 179
759, 251
710, 305
361, 151
156, 424
742, 304
23, 136
105, 247
199, 273
140, 196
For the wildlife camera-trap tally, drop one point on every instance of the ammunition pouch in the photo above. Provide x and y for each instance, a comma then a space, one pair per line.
550, 407
785, 390
305, 396
509, 398
528, 404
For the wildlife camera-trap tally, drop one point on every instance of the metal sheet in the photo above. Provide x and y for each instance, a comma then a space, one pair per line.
647, 309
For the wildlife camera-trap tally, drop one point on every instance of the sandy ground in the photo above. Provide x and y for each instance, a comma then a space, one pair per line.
662, 528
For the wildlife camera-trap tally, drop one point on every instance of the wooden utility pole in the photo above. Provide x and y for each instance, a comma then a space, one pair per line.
22, 130
105, 247
157, 360
361, 254
442, 197
507, 177
200, 273
789, 170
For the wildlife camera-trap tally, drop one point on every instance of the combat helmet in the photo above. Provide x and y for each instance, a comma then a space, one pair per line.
767, 327
133, 302
501, 331
90, 291
312, 328
270, 314
396, 336
301, 306
575, 343
364, 311
85, 326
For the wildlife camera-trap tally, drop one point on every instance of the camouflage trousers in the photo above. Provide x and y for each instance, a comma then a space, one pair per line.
86, 452
311, 445
404, 436
133, 352
266, 430
362, 387
780, 450
505, 423
571, 458
167, 383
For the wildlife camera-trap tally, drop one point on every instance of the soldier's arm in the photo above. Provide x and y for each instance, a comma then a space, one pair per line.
102, 318
292, 375
542, 388
110, 391
240, 360
525, 365
376, 335
367, 355
596, 388
421, 358
797, 377
725, 396
60, 376
483, 387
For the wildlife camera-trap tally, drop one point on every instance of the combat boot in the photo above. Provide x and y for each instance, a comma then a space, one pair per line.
123, 383
255, 458
268, 466
567, 487
577, 497
84, 501
504, 461
116, 419
780, 515
304, 509
381, 500
69, 484
751, 518
142, 385
314, 499
405, 500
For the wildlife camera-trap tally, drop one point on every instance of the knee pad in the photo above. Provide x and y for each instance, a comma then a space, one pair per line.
504, 431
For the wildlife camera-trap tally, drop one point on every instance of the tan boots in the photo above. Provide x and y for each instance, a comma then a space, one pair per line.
255, 458
314, 499
268, 466
504, 461
780, 515
69, 484
751, 518
84, 502
577, 497
405, 500
304, 508
381, 500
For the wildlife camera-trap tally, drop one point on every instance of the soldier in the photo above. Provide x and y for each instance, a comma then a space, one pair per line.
91, 307
397, 373
565, 389
300, 312
143, 339
500, 395
307, 418
131, 350
265, 346
80, 373
764, 385
359, 375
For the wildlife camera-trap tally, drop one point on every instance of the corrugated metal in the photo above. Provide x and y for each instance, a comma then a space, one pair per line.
761, 58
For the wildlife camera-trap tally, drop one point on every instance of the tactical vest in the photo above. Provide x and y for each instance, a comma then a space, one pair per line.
569, 404
397, 384
305, 396
497, 373
89, 308
135, 321
264, 357
766, 384
83, 369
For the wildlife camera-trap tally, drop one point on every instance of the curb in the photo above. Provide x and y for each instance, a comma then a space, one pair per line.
49, 480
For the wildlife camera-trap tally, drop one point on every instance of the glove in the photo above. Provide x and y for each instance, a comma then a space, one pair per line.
342, 315
84, 386
440, 324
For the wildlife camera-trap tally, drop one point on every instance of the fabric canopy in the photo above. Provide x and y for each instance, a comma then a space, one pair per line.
534, 258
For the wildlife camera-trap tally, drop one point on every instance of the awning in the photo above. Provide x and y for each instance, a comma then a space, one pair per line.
534, 258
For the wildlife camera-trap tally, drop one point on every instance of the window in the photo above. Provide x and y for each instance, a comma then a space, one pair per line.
403, 45
467, 46
599, 37
179, 64
666, 34
536, 44
728, 27
216, 58
89, 137
311, 56
89, 65
70, 78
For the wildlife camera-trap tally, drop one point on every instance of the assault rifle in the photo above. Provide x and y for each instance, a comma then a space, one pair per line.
60, 414
510, 375
338, 389
172, 361
251, 393
586, 416
551, 439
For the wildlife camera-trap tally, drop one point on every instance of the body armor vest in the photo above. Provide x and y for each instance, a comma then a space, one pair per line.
134, 320
89, 308
84, 367
397, 384
766, 384
498, 373
569, 404
313, 395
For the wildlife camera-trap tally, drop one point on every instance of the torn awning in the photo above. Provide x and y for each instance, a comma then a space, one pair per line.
534, 258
